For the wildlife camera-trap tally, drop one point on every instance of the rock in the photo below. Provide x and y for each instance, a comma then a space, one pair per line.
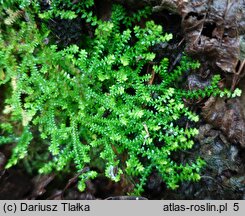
228, 116
224, 173
194, 81
169, 5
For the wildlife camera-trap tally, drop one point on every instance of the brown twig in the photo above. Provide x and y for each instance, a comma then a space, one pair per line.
152, 76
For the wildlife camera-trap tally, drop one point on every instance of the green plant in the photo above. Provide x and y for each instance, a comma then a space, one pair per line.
98, 103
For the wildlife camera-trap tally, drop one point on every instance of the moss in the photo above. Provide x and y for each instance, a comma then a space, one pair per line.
97, 103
